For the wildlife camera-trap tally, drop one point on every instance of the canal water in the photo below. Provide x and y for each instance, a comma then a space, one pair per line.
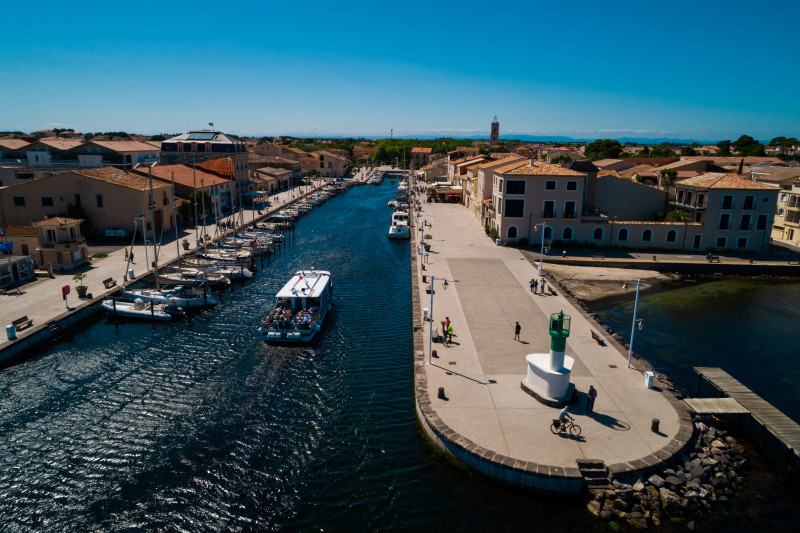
205, 428
748, 327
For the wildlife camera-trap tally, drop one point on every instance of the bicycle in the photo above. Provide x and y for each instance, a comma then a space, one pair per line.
557, 427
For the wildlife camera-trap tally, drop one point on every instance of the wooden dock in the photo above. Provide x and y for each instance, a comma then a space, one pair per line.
771, 419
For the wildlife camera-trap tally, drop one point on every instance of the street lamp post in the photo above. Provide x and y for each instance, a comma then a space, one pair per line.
541, 249
635, 321
430, 318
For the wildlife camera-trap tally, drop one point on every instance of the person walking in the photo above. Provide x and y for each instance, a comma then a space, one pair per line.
591, 396
533, 286
126, 255
449, 333
517, 329
446, 322
542, 288
132, 256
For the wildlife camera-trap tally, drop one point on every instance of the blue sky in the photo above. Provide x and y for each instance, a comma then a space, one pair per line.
692, 70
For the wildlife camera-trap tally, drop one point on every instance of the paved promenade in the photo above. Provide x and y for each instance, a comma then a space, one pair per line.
486, 420
41, 300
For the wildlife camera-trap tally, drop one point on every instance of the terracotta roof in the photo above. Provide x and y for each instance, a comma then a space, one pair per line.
56, 221
125, 146
775, 174
13, 144
420, 150
272, 159
511, 158
539, 168
220, 166
583, 165
20, 231
61, 144
718, 180
274, 171
185, 175
309, 160
116, 176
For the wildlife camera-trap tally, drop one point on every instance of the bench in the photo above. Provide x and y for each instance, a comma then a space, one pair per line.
713, 259
598, 256
22, 323
598, 338
110, 282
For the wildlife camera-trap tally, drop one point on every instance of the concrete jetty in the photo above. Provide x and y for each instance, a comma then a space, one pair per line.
484, 419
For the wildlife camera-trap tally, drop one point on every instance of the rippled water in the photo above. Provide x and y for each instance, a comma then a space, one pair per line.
197, 428
747, 327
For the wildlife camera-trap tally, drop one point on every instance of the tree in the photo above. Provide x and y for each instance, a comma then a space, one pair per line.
746, 145
688, 150
197, 198
669, 175
562, 160
724, 148
603, 149
677, 216
662, 150
157, 137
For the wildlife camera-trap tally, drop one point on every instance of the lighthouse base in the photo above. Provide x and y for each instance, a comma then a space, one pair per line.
550, 387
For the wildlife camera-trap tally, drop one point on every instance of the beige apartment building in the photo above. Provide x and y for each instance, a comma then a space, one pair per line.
60, 244
725, 212
791, 214
111, 198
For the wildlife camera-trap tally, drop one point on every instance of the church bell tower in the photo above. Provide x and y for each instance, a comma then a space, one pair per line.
494, 140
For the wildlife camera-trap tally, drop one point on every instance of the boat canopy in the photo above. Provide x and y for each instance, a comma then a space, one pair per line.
306, 284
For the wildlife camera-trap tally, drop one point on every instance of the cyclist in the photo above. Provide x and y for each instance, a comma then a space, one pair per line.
563, 415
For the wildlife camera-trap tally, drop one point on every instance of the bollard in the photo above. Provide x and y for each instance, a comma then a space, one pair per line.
424, 278
441, 394
435, 354
654, 258
654, 425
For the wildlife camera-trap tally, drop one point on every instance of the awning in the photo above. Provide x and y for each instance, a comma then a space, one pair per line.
255, 193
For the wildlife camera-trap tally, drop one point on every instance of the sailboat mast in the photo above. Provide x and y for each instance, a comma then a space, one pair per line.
175, 219
153, 222
203, 199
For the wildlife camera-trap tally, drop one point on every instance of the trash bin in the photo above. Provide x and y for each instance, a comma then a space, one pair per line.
130, 274
497, 242
11, 333
648, 379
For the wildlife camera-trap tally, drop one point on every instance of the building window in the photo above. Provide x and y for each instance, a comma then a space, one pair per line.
744, 223
550, 185
47, 201
515, 186
680, 196
99, 198
77, 200
164, 199
569, 209
515, 208
761, 222
512, 232
701, 199
549, 209
672, 235
597, 234
50, 235
647, 235
622, 235
783, 197
765, 199
749, 202
548, 232
72, 234
780, 212
727, 201
566, 234
689, 197
572, 185
725, 221
741, 242
19, 201
722, 242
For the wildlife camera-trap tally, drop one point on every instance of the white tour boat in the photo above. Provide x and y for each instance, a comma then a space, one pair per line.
300, 308
399, 228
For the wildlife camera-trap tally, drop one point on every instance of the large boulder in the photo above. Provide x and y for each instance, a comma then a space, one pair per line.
669, 500
594, 507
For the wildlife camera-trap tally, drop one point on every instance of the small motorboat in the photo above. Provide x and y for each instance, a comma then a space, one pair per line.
139, 309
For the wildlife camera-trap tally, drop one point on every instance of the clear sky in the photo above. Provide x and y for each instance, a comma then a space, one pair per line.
692, 70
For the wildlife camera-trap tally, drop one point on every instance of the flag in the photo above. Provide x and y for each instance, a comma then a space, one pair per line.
2, 233
301, 276
211, 124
